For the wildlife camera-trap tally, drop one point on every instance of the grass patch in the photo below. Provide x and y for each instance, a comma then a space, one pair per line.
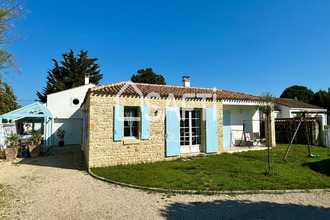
238, 171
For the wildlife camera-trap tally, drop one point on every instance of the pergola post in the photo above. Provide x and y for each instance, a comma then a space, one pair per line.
270, 130
51, 131
45, 134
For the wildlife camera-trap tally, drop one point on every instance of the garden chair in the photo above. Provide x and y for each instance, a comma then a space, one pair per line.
256, 139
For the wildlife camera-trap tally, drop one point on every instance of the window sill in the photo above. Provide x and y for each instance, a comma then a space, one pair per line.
131, 141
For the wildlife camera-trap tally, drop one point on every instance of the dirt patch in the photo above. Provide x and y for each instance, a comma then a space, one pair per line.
6, 201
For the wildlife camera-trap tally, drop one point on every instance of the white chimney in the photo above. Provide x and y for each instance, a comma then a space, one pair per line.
86, 79
186, 81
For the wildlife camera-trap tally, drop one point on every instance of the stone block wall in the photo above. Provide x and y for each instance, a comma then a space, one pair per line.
86, 141
100, 148
270, 130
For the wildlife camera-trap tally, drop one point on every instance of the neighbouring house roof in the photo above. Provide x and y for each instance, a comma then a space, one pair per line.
165, 90
296, 104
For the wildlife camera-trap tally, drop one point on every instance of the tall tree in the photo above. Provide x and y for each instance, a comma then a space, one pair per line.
70, 73
322, 98
10, 10
302, 93
148, 76
266, 105
7, 98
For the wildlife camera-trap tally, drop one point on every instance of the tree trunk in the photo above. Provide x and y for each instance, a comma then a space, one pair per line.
268, 142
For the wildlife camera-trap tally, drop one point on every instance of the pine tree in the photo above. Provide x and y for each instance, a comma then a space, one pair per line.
7, 98
148, 76
70, 73
322, 98
302, 93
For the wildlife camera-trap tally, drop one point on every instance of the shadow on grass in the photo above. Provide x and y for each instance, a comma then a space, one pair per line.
243, 210
322, 166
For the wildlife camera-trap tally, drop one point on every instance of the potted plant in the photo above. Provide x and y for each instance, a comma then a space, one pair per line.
2, 154
11, 146
35, 144
61, 134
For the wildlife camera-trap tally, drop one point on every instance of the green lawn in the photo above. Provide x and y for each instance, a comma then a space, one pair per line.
238, 171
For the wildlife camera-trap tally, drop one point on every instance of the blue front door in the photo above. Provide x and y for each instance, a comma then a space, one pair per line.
226, 129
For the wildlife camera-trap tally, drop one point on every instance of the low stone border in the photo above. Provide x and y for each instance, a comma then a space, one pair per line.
205, 192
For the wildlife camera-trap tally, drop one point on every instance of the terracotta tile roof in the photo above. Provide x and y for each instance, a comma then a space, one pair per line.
295, 104
165, 90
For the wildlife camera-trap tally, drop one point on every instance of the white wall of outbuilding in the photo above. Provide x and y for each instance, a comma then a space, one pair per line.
67, 114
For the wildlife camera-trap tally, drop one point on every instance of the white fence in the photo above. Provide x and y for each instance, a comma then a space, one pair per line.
327, 138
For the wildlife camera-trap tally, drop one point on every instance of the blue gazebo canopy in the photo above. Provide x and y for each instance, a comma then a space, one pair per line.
35, 110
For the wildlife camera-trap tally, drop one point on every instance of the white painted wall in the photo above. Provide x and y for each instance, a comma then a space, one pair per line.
239, 113
73, 128
67, 114
61, 104
285, 111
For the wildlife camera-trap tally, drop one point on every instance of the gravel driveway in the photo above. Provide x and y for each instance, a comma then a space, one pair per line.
56, 186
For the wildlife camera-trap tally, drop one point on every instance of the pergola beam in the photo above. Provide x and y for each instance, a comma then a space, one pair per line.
35, 110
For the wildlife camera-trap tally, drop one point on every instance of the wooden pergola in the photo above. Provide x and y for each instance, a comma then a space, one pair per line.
35, 110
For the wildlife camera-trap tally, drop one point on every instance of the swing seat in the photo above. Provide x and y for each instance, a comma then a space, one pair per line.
314, 155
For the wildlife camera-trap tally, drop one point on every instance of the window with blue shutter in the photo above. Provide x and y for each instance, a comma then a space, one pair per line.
172, 136
118, 123
211, 130
145, 133
131, 122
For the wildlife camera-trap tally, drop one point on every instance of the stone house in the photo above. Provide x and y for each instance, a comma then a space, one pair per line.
128, 123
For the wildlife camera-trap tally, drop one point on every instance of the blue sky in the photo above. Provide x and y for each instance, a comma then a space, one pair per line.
245, 46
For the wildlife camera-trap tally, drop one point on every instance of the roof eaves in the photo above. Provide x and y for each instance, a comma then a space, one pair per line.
72, 88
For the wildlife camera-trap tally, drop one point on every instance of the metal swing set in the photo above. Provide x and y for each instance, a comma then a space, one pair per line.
303, 118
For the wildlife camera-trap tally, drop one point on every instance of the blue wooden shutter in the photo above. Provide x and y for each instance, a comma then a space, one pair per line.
226, 129
172, 132
211, 131
145, 133
118, 123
